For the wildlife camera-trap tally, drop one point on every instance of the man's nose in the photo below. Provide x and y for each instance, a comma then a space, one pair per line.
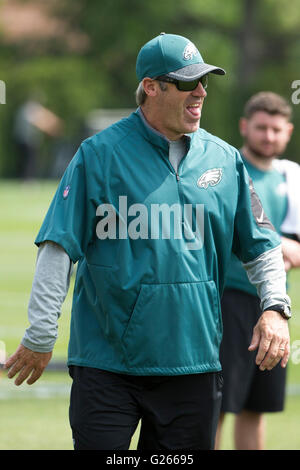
270, 135
199, 90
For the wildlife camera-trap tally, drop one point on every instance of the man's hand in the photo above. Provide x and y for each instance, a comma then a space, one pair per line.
271, 337
27, 363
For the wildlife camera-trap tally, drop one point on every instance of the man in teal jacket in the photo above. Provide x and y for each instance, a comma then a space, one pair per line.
248, 392
151, 208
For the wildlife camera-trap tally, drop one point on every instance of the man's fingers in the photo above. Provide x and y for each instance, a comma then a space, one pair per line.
25, 372
282, 356
255, 340
35, 376
17, 365
273, 357
263, 348
286, 355
10, 361
276, 352
20, 367
20, 354
25, 362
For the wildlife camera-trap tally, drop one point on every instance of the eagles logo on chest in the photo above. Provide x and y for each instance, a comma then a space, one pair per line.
210, 178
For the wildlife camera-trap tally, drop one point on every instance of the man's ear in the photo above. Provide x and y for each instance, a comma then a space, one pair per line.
243, 124
150, 86
290, 129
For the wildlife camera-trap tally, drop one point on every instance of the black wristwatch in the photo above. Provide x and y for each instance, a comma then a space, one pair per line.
284, 310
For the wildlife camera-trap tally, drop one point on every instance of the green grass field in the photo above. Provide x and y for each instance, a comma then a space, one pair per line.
36, 417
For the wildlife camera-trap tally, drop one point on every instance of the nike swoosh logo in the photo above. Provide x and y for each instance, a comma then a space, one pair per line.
261, 217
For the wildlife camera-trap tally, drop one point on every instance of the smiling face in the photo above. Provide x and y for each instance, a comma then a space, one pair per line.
173, 112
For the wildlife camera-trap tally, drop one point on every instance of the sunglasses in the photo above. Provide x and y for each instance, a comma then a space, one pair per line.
185, 86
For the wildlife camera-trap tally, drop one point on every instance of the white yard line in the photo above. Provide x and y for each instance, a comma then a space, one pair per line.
45, 390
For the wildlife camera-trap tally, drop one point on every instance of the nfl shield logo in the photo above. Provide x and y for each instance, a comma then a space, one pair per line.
66, 192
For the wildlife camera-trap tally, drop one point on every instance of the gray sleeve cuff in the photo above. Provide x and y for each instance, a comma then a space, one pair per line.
267, 274
49, 289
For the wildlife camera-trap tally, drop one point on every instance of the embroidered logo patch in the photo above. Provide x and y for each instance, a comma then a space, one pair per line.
66, 191
210, 178
190, 51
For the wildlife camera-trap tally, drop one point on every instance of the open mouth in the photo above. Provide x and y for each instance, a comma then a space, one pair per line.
194, 110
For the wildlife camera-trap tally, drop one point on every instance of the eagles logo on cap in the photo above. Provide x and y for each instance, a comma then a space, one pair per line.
190, 51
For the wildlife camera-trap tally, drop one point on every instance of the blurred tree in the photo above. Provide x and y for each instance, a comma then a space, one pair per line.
252, 39
88, 58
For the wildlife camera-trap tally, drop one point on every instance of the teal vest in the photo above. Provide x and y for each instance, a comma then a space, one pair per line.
152, 248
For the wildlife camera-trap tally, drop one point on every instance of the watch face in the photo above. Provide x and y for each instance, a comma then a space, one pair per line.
287, 311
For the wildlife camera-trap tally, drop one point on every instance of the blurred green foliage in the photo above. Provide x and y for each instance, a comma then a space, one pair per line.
253, 40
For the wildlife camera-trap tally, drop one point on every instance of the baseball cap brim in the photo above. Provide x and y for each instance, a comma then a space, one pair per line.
191, 72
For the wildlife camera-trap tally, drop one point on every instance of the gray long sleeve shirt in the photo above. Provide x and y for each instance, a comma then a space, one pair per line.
50, 287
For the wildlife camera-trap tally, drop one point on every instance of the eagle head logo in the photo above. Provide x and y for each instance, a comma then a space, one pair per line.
210, 178
190, 51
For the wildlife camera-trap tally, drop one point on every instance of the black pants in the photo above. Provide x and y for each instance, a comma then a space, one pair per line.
246, 387
176, 412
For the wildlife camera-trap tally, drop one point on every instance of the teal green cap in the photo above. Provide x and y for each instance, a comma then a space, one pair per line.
172, 55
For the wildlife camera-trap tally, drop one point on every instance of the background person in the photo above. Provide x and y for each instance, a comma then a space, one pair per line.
146, 321
248, 392
32, 121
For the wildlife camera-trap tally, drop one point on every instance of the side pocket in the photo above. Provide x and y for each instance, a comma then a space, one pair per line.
174, 327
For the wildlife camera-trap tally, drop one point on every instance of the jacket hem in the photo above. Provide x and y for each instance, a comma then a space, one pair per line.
184, 370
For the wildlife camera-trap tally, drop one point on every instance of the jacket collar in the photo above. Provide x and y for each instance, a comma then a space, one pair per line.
153, 136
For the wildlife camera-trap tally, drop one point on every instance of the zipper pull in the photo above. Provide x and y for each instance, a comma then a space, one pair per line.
177, 177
